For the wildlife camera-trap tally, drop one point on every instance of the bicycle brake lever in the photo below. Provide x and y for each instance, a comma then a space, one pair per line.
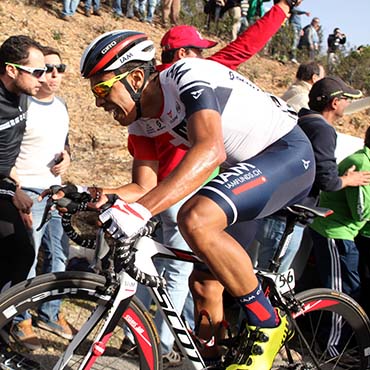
47, 213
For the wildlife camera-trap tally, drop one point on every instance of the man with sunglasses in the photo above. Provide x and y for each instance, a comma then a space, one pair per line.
43, 158
22, 71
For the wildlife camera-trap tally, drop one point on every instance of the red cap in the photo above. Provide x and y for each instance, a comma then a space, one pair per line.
185, 37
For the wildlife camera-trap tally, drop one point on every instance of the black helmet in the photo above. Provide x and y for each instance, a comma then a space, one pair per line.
114, 49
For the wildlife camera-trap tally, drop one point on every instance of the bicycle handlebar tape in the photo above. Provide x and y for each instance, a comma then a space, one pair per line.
73, 235
126, 260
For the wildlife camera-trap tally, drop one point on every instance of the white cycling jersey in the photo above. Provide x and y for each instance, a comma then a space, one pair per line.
251, 118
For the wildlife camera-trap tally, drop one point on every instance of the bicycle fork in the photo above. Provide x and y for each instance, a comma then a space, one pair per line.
112, 312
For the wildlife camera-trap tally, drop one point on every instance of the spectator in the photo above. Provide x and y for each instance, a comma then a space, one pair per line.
336, 254
309, 41
244, 6
96, 7
307, 74
117, 8
216, 9
22, 71
69, 9
146, 10
170, 12
335, 40
295, 21
255, 10
328, 98
43, 158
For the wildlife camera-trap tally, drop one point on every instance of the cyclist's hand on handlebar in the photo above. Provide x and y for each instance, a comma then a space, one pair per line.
124, 220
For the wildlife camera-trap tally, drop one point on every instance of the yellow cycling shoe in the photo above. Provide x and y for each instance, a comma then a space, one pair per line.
266, 344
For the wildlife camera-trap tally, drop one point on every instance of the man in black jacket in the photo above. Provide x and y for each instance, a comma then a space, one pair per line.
22, 70
335, 39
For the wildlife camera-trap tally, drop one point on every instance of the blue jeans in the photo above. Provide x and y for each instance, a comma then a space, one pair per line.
95, 3
176, 273
269, 234
147, 7
117, 7
55, 244
70, 7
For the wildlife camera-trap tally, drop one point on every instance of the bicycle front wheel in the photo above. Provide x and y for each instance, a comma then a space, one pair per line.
132, 345
332, 332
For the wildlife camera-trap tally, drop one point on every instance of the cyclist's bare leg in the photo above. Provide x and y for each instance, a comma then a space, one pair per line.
202, 223
207, 295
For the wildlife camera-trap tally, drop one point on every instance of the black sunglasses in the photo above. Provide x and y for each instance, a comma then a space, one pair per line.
61, 68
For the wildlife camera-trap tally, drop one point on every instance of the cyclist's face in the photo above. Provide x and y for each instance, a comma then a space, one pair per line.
117, 100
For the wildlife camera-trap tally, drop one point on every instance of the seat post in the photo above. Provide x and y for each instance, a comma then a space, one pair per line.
275, 262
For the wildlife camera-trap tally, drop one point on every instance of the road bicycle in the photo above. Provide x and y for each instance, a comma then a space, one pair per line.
115, 331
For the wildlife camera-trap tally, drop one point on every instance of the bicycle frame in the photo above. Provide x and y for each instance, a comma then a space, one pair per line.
145, 249
112, 312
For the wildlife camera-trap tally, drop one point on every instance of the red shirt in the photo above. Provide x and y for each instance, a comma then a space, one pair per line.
232, 55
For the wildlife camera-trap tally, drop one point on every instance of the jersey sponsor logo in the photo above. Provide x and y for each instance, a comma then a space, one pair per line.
196, 94
306, 164
238, 171
13, 122
125, 57
108, 47
176, 73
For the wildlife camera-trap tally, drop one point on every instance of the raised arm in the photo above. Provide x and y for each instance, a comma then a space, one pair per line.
254, 38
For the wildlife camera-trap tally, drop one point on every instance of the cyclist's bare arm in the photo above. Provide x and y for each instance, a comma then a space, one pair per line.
207, 152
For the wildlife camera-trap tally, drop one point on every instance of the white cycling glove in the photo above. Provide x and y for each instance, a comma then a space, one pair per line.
126, 219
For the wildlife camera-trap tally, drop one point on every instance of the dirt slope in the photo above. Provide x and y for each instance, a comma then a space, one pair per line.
98, 143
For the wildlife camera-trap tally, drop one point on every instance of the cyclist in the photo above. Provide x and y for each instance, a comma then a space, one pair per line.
220, 119
155, 158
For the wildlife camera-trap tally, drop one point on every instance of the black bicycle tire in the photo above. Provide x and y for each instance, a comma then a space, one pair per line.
76, 284
348, 308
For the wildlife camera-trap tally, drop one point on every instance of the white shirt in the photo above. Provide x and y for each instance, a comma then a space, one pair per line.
44, 139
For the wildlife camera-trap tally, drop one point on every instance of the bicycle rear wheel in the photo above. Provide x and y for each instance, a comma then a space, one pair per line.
82, 294
333, 332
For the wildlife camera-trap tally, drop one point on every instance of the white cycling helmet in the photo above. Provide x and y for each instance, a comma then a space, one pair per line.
114, 49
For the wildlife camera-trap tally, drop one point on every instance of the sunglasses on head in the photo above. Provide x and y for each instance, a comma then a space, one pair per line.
35, 72
102, 89
61, 68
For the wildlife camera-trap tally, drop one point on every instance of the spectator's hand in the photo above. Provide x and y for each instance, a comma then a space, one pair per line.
75, 193
308, 14
61, 167
355, 178
22, 201
27, 219
124, 220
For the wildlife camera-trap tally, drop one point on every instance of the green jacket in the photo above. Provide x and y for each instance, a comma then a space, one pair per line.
351, 205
